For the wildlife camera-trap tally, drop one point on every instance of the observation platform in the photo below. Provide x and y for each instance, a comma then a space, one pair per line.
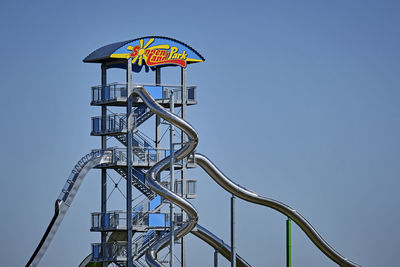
115, 94
142, 157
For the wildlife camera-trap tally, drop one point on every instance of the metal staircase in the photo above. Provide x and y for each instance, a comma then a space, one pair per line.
139, 146
139, 182
142, 114
143, 242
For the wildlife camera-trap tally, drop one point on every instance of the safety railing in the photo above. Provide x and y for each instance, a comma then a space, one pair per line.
109, 92
177, 89
117, 251
191, 188
118, 92
116, 220
112, 123
140, 155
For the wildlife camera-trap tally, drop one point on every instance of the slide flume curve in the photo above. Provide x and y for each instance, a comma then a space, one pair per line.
65, 199
163, 164
222, 180
98, 157
218, 244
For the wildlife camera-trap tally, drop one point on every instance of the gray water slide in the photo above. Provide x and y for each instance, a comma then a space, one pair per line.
221, 180
98, 157
65, 199
218, 244
151, 175
247, 195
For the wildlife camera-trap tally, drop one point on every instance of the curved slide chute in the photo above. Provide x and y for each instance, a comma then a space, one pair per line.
98, 157
250, 196
223, 181
218, 244
65, 199
163, 164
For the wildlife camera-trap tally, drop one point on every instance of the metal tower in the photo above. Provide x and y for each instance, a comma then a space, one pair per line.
135, 123
140, 224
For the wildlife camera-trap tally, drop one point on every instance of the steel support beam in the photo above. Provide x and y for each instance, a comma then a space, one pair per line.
171, 181
158, 122
233, 245
215, 258
103, 171
129, 164
288, 243
184, 161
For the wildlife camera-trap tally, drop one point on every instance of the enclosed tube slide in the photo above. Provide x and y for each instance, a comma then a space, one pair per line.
64, 200
222, 180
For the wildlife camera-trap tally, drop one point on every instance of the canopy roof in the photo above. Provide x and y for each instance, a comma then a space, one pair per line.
150, 51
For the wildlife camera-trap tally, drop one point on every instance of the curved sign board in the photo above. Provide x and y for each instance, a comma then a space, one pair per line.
157, 51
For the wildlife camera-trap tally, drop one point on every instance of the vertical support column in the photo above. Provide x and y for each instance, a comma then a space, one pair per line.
158, 122
215, 258
129, 164
184, 161
288, 243
103, 171
233, 246
171, 181
158, 127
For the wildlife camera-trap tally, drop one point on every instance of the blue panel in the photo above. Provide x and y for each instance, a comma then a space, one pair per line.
146, 144
95, 251
106, 220
155, 91
95, 126
191, 93
124, 92
156, 220
106, 92
155, 202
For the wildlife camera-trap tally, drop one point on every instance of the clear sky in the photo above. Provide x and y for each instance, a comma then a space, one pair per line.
298, 100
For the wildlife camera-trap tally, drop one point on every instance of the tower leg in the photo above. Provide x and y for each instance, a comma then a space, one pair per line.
288, 243
103, 171
129, 166
233, 247
215, 258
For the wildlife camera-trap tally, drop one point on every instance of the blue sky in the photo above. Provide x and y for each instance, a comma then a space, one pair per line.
298, 101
